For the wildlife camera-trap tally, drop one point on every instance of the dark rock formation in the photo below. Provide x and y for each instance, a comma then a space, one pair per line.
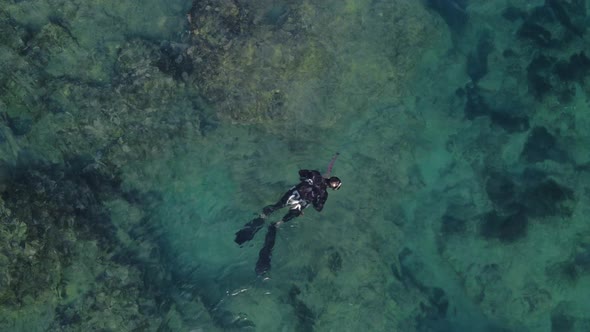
453, 12
541, 146
477, 61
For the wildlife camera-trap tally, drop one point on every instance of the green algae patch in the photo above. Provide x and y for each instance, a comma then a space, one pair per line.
64, 260
268, 64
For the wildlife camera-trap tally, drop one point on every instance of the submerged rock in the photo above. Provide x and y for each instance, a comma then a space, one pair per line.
549, 75
305, 316
453, 12
539, 75
509, 117
501, 189
513, 13
571, 14
475, 105
541, 146
505, 227
554, 24
174, 60
537, 33
452, 225
548, 198
512, 123
60, 248
477, 61
576, 69
20, 125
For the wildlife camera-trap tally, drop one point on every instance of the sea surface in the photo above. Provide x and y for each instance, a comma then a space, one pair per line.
137, 137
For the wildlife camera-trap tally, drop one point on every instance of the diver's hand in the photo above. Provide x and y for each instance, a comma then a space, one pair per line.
278, 223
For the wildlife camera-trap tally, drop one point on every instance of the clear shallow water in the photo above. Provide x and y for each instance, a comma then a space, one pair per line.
136, 140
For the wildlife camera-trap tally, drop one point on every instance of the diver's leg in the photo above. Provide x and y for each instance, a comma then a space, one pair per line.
293, 213
263, 263
278, 205
249, 230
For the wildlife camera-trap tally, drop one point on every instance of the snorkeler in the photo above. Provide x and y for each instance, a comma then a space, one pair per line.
312, 190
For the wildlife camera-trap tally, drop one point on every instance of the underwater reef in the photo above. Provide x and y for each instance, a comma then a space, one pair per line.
73, 112
277, 64
515, 232
91, 92
65, 259
464, 122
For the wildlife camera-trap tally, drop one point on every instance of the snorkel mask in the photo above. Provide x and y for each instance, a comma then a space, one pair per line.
334, 183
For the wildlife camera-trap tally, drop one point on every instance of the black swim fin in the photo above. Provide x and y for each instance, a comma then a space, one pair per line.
249, 230
263, 263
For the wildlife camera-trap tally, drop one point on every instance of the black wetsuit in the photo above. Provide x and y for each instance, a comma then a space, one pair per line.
312, 190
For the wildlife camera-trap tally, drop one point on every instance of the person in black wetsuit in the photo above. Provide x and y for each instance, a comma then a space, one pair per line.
311, 190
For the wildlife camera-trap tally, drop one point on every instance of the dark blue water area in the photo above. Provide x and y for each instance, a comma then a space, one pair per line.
138, 139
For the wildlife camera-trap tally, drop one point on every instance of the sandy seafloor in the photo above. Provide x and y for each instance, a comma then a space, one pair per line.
137, 137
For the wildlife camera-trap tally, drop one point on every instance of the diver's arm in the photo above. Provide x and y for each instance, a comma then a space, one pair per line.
305, 174
311, 177
319, 202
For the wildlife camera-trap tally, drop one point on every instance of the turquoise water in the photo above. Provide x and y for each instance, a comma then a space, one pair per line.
137, 138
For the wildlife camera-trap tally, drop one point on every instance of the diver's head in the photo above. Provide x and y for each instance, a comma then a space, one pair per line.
334, 183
